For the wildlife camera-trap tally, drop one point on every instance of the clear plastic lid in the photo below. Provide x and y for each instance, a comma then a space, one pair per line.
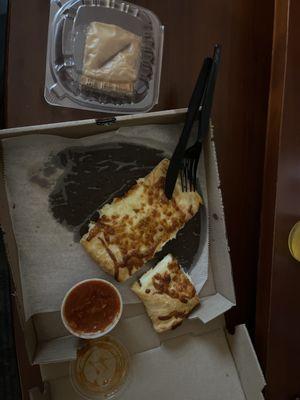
103, 55
101, 370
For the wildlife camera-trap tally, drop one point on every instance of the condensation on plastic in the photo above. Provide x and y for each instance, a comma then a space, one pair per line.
65, 84
101, 370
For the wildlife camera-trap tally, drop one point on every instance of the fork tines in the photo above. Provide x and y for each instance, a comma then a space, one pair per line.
188, 172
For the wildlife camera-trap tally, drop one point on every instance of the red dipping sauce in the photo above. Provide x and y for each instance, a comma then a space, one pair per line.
91, 306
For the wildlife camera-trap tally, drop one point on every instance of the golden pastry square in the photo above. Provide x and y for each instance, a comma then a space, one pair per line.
133, 228
168, 294
111, 58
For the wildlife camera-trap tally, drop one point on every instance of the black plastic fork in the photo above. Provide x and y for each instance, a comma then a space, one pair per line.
188, 172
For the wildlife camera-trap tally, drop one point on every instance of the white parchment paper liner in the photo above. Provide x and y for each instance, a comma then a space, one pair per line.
49, 259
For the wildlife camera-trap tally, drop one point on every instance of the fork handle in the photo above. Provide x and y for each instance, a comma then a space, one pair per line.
195, 102
205, 111
193, 108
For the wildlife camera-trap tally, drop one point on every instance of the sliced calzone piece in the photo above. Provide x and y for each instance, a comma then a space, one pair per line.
111, 58
133, 228
167, 293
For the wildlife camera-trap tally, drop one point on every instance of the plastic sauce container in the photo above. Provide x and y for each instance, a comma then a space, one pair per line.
103, 55
101, 369
91, 308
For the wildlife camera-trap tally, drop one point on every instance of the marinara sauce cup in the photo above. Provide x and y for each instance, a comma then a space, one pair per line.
91, 308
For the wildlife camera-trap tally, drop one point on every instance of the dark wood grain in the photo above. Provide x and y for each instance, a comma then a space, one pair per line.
275, 116
278, 324
244, 28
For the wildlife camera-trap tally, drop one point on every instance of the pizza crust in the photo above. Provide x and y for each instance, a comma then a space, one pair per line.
168, 294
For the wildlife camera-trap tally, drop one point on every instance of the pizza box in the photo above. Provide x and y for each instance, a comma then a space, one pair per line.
46, 339
196, 361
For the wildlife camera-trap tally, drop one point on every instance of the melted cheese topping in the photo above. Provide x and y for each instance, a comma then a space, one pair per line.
169, 278
133, 228
168, 294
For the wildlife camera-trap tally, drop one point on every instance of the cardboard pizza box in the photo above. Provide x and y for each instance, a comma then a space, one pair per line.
45, 331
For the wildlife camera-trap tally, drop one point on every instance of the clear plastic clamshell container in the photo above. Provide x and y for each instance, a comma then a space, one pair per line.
103, 55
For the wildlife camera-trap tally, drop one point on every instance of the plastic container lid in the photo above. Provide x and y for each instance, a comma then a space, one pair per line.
103, 55
101, 370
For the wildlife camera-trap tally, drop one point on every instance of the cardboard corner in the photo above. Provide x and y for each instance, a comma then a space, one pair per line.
212, 307
250, 373
36, 394
56, 350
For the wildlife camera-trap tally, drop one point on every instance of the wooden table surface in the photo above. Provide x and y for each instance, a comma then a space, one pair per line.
192, 27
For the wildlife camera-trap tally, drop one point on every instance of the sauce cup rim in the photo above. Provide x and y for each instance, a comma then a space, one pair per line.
97, 334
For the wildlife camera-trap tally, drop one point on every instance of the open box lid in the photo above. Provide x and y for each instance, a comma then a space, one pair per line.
44, 333
195, 361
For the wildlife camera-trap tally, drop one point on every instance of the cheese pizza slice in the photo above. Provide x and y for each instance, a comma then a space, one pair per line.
167, 293
133, 228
